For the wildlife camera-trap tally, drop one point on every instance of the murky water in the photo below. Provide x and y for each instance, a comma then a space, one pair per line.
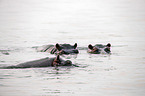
25, 24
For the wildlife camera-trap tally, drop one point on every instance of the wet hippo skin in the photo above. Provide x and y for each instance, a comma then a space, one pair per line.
45, 62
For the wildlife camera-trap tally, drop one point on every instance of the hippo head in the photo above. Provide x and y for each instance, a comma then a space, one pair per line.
59, 62
67, 48
93, 49
98, 48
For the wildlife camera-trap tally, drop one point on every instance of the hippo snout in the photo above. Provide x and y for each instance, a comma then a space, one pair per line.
75, 51
67, 63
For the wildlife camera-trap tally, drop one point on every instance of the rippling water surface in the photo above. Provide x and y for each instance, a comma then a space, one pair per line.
25, 24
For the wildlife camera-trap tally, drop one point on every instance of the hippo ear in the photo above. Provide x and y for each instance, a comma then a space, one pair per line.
58, 46
57, 58
75, 45
108, 45
90, 46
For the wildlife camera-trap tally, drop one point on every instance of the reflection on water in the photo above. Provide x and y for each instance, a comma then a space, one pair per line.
26, 24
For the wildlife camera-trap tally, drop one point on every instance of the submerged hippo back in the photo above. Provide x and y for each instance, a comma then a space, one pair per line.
45, 62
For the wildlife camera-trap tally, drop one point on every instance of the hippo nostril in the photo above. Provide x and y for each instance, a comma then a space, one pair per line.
68, 63
75, 51
107, 50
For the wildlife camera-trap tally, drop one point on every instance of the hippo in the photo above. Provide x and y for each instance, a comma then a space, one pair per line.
45, 62
98, 48
60, 49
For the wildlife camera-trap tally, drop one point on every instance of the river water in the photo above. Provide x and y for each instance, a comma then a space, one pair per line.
25, 24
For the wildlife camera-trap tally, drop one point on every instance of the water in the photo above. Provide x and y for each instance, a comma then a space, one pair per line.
25, 24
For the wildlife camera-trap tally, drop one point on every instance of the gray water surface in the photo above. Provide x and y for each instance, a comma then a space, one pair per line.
25, 24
